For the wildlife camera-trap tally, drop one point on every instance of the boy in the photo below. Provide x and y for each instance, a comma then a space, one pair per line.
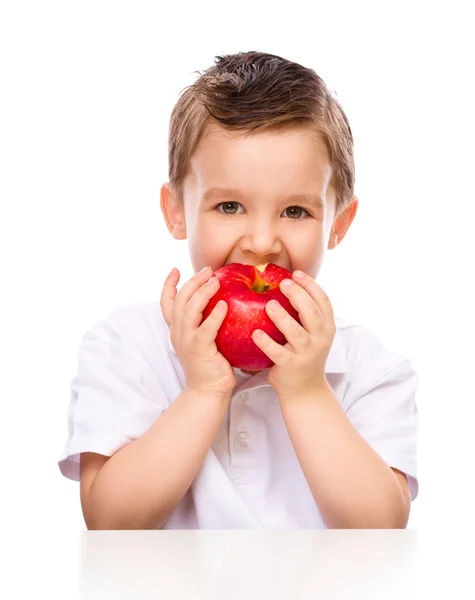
163, 431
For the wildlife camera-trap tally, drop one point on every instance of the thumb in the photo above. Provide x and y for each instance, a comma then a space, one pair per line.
168, 295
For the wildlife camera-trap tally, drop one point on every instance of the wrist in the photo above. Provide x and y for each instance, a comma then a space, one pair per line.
312, 393
207, 395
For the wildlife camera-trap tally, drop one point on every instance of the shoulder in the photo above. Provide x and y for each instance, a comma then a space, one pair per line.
134, 332
369, 359
134, 327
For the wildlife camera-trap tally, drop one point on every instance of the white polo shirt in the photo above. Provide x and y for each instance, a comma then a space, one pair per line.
128, 374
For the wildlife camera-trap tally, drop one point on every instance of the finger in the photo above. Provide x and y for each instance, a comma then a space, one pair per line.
188, 289
277, 353
294, 333
310, 314
208, 329
168, 295
193, 314
318, 295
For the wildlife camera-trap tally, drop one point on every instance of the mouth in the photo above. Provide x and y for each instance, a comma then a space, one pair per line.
262, 267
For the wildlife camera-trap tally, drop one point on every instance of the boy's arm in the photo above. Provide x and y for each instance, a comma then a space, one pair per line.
352, 485
140, 485
401, 477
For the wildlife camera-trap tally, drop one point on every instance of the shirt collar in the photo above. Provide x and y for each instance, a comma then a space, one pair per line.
336, 361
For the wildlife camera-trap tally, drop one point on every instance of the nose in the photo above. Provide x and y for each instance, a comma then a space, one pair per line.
262, 239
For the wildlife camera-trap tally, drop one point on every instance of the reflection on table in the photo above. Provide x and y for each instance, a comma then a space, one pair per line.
294, 565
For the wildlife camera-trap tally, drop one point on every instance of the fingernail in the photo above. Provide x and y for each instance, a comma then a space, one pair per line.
171, 272
204, 269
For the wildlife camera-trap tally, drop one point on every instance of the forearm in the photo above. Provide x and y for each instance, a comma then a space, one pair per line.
352, 485
142, 483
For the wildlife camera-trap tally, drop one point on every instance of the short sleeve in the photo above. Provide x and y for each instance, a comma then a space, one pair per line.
386, 417
115, 398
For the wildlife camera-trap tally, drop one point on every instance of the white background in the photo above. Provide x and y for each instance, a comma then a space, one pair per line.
86, 93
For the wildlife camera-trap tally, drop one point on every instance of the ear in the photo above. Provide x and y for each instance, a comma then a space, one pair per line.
173, 212
342, 223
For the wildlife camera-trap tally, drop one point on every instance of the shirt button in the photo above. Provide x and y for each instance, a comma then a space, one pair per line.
244, 439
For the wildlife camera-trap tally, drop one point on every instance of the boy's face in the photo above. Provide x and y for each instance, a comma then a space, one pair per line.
264, 223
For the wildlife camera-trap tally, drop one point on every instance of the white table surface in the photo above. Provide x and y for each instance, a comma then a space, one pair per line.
241, 564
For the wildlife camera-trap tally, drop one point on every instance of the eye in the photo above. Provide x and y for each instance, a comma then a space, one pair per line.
227, 205
299, 210
295, 211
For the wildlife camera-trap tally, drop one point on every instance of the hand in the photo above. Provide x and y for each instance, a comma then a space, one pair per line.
299, 367
205, 368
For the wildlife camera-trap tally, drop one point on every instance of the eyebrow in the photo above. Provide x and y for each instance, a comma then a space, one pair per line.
219, 192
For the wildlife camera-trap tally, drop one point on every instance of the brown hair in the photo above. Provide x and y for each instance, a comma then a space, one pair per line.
252, 90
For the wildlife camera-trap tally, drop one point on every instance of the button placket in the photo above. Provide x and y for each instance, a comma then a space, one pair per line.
241, 454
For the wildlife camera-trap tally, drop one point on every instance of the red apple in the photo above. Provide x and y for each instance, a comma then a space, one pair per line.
246, 290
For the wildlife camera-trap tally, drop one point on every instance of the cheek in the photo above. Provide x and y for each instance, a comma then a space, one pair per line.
308, 252
209, 244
